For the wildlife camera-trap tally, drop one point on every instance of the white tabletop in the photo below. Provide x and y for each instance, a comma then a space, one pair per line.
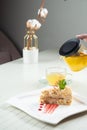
17, 77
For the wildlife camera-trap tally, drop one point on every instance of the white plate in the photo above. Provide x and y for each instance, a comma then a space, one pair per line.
29, 103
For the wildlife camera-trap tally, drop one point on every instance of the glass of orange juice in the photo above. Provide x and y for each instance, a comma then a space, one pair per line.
55, 74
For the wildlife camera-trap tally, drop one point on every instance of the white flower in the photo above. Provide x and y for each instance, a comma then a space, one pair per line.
33, 24
42, 12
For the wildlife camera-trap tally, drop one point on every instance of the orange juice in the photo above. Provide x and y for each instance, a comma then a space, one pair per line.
54, 77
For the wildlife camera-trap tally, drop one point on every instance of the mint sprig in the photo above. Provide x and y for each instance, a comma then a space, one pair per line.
62, 84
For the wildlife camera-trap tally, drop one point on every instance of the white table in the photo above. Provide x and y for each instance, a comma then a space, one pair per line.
17, 77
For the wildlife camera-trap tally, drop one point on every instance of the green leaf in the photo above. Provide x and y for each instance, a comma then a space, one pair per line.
62, 84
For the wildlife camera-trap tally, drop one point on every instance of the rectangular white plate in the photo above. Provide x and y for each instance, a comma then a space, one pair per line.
29, 103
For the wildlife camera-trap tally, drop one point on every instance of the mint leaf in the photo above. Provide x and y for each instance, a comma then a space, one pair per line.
62, 84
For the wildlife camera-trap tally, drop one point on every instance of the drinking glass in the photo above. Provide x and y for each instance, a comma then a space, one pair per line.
55, 74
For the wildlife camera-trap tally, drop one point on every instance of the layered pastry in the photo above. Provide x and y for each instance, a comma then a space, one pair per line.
55, 95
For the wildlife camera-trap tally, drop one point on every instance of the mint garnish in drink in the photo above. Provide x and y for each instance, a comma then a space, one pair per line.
62, 84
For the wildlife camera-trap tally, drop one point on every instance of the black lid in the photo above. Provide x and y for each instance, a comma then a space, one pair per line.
70, 47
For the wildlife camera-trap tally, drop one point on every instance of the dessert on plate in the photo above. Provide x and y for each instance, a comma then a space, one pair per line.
61, 94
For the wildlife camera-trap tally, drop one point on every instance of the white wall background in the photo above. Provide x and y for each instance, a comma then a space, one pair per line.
65, 20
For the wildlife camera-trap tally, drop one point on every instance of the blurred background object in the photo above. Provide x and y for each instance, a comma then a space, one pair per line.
65, 20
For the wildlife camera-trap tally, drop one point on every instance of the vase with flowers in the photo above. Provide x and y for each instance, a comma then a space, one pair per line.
31, 50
